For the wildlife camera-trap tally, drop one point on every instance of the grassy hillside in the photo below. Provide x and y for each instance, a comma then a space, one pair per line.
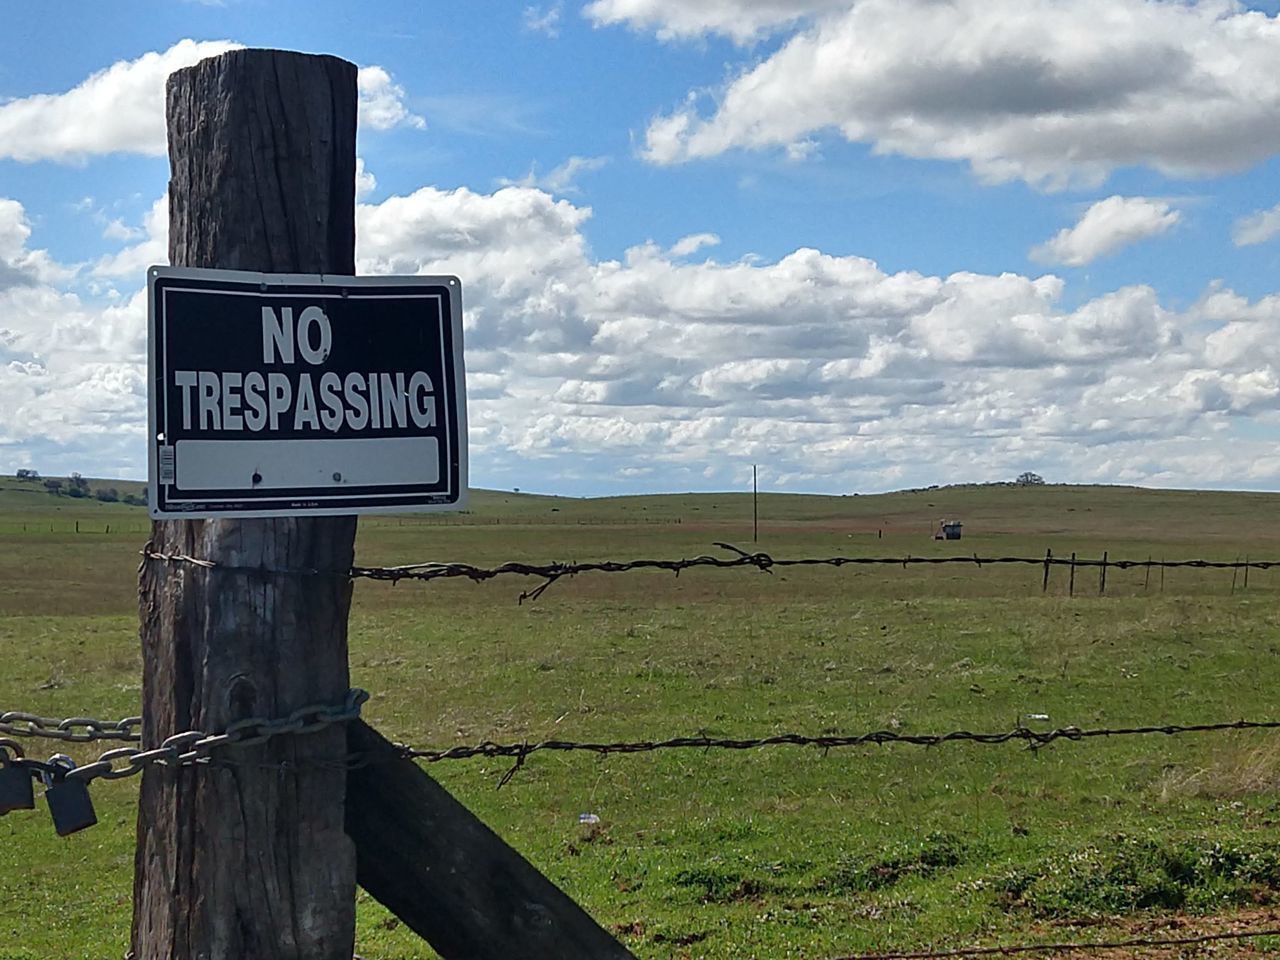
771, 853
1127, 513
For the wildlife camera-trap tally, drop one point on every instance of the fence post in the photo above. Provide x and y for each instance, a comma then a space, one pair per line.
1246, 571
1235, 572
1071, 587
251, 861
1146, 584
1048, 558
1102, 575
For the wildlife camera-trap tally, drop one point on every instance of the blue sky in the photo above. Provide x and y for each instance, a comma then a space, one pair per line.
866, 244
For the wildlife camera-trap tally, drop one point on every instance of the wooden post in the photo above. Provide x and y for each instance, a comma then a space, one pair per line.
1162, 574
251, 861
450, 878
1048, 559
1146, 584
1235, 572
1246, 571
1071, 587
1102, 575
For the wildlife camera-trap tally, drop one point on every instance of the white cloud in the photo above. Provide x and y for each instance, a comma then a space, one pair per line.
72, 374
151, 247
537, 20
382, 102
741, 20
693, 243
1049, 92
1105, 227
562, 179
121, 109
1257, 227
832, 370
836, 373
366, 182
116, 110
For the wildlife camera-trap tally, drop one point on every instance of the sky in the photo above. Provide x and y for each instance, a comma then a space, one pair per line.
864, 244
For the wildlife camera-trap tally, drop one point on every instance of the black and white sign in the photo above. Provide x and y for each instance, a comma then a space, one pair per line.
284, 395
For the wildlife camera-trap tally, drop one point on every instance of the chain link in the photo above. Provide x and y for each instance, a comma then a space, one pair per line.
16, 723
188, 747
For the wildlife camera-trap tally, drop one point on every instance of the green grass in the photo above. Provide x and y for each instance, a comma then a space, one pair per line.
779, 852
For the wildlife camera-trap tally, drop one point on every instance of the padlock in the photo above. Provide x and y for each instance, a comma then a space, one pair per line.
68, 798
17, 792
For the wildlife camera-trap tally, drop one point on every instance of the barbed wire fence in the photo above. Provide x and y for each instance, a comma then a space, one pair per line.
196, 748
551, 573
219, 749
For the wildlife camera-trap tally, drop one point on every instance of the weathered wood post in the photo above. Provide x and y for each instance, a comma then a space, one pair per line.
1102, 575
450, 878
251, 861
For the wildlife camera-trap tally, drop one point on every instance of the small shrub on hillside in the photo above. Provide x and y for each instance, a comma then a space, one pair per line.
936, 852
1133, 874
718, 884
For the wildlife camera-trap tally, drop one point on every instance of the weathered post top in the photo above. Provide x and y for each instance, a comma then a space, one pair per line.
262, 153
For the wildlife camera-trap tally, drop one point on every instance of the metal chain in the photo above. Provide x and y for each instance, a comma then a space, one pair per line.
15, 723
1066, 947
194, 746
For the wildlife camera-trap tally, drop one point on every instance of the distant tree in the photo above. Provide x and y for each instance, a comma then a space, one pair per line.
107, 494
1029, 479
79, 483
133, 501
26, 474
54, 486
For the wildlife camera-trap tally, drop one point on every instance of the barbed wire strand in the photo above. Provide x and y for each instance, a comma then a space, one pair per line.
766, 563
195, 746
1034, 739
1066, 947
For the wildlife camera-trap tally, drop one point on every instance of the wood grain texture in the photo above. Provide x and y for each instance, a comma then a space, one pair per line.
247, 861
450, 878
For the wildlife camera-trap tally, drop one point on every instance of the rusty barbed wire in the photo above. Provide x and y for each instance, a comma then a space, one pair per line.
194, 746
759, 560
1034, 739
1079, 947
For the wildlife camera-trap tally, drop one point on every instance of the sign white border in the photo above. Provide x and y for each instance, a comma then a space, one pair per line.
338, 283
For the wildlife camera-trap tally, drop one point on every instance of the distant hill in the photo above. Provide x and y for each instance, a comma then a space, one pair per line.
983, 508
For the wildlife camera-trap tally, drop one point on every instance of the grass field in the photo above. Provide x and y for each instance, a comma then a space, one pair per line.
779, 852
